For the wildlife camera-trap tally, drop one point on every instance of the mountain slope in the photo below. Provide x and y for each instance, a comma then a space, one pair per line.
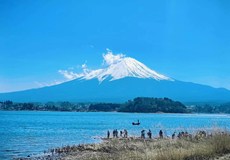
120, 91
124, 78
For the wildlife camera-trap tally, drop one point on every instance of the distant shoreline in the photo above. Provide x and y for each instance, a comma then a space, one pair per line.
111, 112
137, 105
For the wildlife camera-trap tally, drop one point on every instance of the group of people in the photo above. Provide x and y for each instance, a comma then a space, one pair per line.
180, 135
123, 134
183, 134
149, 134
198, 135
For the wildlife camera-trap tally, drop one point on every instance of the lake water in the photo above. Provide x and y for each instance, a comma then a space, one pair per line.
25, 133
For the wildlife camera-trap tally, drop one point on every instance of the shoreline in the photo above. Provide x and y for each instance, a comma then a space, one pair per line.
66, 133
194, 113
213, 147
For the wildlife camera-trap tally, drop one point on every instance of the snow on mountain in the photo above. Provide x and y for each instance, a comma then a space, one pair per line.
127, 67
117, 67
124, 78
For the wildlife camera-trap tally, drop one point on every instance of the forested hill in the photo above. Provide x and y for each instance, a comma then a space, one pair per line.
140, 104
153, 105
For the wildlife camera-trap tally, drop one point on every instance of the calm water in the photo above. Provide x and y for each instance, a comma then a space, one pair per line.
26, 133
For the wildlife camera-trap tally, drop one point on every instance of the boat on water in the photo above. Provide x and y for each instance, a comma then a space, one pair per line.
136, 123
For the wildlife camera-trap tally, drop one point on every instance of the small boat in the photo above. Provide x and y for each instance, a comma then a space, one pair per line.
136, 123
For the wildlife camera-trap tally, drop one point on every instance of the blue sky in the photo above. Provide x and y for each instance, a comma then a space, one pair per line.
186, 40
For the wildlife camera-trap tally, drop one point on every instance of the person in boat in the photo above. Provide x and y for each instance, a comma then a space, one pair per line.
161, 134
108, 134
136, 123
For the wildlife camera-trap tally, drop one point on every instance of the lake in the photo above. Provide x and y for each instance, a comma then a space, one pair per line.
25, 133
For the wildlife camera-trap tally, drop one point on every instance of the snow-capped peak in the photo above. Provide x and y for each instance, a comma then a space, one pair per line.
117, 67
127, 67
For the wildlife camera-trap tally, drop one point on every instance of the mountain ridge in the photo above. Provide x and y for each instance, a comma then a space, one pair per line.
119, 91
122, 79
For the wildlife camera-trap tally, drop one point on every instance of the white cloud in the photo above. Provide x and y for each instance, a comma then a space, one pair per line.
110, 58
83, 66
46, 84
70, 75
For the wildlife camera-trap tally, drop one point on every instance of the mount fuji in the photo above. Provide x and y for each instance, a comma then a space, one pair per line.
121, 79
125, 67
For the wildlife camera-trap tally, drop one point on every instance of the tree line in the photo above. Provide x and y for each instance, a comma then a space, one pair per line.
138, 105
49, 106
209, 108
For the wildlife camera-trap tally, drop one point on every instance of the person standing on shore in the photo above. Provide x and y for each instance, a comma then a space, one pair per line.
149, 134
143, 134
174, 135
161, 134
121, 133
108, 134
125, 133
116, 133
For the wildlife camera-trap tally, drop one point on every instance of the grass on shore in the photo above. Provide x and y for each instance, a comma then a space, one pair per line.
161, 149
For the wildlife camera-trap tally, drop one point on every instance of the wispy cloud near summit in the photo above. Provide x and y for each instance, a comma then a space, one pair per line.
109, 58
114, 66
47, 84
70, 75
